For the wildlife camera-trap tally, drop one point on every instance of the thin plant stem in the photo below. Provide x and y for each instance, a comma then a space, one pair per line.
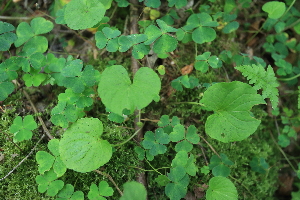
111, 180
243, 186
32, 150
282, 152
127, 140
153, 167
210, 146
12, 141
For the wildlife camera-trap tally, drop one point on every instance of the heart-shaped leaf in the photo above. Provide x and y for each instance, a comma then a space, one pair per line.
117, 92
275, 9
221, 188
232, 120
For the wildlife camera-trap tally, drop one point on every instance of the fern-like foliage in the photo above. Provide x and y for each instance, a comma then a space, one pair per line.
262, 79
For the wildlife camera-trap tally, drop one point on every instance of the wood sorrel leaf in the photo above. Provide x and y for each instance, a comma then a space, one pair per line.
232, 120
117, 92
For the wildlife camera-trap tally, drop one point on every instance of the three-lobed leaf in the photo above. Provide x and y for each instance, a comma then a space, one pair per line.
22, 129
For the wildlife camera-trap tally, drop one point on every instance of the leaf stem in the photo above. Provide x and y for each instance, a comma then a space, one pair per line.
153, 167
282, 152
288, 79
127, 140
111, 180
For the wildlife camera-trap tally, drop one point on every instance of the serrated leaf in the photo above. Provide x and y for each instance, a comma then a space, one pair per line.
82, 14
231, 102
221, 188
117, 92
134, 191
262, 79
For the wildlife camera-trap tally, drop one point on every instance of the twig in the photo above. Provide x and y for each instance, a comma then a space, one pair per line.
23, 159
282, 152
210, 146
13, 141
111, 179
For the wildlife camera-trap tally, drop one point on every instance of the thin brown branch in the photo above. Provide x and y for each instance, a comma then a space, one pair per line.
111, 180
9, 173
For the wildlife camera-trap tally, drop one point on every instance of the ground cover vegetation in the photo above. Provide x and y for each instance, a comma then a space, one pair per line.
149, 99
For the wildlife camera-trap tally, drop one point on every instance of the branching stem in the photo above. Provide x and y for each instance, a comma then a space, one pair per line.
111, 180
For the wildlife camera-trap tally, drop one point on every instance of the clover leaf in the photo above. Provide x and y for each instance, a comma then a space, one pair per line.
98, 192
48, 183
67, 192
232, 120
82, 14
117, 92
205, 60
29, 34
81, 147
6, 35
178, 3
155, 142
134, 191
201, 23
180, 180
22, 129
107, 38
259, 164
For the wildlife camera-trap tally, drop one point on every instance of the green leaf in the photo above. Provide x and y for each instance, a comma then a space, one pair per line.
134, 191
221, 188
45, 161
117, 92
165, 44
48, 183
81, 147
274, 9
192, 135
164, 121
180, 159
205, 170
140, 152
178, 3
98, 192
165, 28
6, 88
62, 114
232, 26
152, 3
283, 140
24, 33
162, 180
177, 173
37, 44
178, 133
203, 34
140, 50
22, 129
40, 25
152, 32
259, 164
183, 146
34, 79
82, 14
177, 190
262, 79
6, 36
231, 102
221, 170
68, 193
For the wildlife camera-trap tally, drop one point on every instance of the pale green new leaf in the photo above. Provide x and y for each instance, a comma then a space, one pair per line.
262, 79
22, 129
275, 9
117, 92
232, 120
221, 188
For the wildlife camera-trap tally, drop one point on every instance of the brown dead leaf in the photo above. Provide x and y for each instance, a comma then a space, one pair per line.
200, 191
187, 69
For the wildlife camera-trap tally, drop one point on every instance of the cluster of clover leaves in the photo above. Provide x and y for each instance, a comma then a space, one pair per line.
81, 147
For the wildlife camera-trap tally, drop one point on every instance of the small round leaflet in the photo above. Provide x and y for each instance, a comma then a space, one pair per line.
81, 147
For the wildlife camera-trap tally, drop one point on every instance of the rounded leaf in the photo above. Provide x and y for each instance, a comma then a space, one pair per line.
134, 191
82, 14
275, 9
232, 120
84, 153
221, 188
